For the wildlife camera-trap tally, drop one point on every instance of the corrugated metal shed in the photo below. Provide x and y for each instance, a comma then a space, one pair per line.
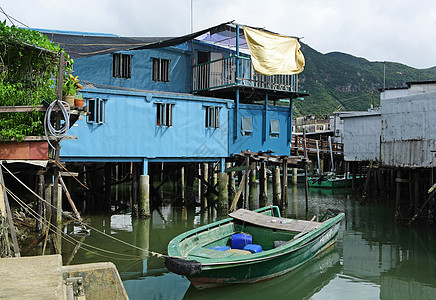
362, 136
408, 136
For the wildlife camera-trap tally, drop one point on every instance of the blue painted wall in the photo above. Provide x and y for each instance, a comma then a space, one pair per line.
130, 131
98, 69
258, 141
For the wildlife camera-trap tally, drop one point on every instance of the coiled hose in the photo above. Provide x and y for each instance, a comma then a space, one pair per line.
51, 130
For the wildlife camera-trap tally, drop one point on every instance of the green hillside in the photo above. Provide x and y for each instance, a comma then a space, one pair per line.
339, 81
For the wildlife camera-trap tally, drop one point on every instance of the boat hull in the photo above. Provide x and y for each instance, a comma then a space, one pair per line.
250, 271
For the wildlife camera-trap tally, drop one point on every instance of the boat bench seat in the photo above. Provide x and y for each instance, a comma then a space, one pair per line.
209, 253
255, 218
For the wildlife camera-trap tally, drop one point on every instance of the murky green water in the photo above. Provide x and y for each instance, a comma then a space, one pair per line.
373, 258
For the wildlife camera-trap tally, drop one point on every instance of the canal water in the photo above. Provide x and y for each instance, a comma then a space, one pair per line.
372, 259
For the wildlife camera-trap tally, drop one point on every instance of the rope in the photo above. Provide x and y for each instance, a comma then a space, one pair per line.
62, 131
66, 236
74, 218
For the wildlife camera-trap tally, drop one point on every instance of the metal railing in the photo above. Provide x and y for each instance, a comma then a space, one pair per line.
221, 73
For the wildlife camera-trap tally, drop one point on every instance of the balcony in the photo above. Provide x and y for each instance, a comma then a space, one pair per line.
218, 78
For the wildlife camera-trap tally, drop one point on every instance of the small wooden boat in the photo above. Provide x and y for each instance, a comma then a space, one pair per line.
202, 254
331, 181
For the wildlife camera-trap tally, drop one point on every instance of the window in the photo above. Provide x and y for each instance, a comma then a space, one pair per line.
212, 117
122, 65
164, 114
247, 126
275, 128
96, 109
161, 69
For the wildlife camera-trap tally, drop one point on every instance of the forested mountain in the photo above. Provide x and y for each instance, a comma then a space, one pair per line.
339, 81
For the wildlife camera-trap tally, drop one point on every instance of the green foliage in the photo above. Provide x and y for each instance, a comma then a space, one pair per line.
28, 67
339, 81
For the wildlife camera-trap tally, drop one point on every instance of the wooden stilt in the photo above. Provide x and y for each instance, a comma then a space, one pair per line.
262, 185
277, 195
252, 186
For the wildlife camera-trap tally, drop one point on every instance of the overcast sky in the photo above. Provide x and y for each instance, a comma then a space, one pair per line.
401, 31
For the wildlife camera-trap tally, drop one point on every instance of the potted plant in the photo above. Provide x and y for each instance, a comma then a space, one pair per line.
70, 87
79, 101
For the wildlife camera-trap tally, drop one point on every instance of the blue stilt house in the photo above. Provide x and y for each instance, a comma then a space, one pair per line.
191, 98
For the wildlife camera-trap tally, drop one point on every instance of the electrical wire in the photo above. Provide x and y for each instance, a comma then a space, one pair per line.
62, 131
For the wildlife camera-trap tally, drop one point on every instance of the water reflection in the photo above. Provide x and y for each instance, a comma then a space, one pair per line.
373, 258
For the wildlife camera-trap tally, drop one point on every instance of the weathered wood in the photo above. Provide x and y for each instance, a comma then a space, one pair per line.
276, 186
306, 229
67, 193
255, 218
38, 240
238, 193
9, 215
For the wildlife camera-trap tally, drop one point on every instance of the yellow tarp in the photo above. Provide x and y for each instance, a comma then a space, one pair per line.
274, 54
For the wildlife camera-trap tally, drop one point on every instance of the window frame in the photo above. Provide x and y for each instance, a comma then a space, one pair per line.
97, 111
164, 114
246, 131
122, 65
272, 131
212, 116
160, 69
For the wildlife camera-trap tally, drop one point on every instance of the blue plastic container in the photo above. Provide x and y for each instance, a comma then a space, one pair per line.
239, 240
253, 248
220, 248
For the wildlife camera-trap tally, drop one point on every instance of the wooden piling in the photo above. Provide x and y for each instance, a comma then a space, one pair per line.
205, 175
277, 195
107, 186
232, 182
144, 197
223, 192
262, 185
40, 203
134, 194
284, 201
252, 186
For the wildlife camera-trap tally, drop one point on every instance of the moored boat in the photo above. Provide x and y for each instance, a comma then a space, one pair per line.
249, 246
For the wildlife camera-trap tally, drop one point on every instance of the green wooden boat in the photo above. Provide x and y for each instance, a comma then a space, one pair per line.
331, 182
286, 244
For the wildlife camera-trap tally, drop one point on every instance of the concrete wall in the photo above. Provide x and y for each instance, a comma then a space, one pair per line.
408, 131
362, 137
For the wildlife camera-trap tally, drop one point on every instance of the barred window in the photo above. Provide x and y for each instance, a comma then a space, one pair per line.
212, 117
161, 69
122, 65
164, 114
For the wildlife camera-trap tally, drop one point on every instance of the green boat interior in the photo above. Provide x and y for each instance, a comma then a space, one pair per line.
265, 230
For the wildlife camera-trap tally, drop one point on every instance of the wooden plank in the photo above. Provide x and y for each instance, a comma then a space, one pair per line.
9, 214
273, 222
238, 193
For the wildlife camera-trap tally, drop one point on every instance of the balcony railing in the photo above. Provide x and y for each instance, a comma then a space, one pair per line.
221, 73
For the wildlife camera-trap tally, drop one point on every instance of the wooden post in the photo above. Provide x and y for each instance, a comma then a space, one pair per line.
6, 213
284, 201
232, 182
223, 192
252, 186
144, 197
276, 186
204, 186
247, 172
134, 204
306, 186
398, 195
40, 203
107, 186
262, 185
